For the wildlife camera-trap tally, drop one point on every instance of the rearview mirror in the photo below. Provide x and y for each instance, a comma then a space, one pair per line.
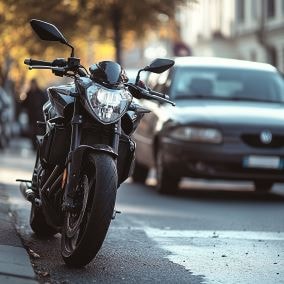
159, 65
47, 31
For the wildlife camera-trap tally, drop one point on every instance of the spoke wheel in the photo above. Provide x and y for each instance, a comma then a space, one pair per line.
74, 222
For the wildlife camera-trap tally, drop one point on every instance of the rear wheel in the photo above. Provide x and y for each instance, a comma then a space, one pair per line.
85, 230
166, 182
140, 173
263, 186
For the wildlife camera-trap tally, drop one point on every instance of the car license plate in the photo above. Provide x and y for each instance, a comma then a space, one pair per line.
264, 162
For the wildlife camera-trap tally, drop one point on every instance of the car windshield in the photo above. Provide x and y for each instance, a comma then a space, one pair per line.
227, 84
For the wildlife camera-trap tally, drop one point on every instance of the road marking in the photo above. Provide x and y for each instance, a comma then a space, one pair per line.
225, 256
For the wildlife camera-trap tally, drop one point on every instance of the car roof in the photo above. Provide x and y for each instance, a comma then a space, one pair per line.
219, 62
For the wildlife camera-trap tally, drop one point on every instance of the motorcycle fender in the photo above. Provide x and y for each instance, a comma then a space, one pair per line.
75, 161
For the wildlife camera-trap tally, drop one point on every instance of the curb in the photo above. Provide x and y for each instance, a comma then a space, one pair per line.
15, 265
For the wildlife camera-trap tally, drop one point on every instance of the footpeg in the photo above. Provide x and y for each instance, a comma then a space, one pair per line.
114, 214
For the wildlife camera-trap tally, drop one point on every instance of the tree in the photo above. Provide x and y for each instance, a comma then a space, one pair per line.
118, 17
16, 37
78, 19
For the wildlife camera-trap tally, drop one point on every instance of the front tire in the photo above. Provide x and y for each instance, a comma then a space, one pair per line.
84, 232
166, 182
263, 186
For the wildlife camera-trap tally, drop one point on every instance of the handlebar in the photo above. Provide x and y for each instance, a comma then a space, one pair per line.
33, 62
59, 62
59, 66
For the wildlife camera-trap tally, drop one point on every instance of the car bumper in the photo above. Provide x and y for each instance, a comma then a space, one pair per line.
222, 161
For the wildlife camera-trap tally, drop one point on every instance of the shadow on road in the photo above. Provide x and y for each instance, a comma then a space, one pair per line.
224, 192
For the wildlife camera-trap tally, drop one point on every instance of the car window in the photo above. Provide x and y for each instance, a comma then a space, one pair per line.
226, 83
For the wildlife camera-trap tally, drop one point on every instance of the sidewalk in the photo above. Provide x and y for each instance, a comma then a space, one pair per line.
15, 266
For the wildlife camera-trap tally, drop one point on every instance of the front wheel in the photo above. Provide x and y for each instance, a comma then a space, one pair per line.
85, 230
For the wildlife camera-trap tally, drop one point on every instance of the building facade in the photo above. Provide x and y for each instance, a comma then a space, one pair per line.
242, 29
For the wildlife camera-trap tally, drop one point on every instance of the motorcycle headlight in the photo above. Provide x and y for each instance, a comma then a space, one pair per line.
108, 105
196, 134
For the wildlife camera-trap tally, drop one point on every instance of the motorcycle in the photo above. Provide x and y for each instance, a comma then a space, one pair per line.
85, 151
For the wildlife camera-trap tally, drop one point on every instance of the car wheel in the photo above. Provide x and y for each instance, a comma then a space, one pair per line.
263, 186
166, 182
140, 173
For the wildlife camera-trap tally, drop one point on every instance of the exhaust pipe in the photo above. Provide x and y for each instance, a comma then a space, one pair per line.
27, 192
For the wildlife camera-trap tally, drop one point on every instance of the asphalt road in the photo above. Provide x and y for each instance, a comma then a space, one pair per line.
208, 233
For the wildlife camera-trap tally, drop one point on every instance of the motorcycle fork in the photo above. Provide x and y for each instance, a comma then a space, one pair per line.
75, 157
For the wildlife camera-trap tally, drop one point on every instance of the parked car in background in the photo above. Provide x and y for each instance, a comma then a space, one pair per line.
228, 123
6, 118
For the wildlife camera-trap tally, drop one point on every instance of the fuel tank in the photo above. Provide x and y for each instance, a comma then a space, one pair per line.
60, 99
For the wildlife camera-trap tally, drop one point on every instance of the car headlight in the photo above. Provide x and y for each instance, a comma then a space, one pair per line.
196, 134
108, 105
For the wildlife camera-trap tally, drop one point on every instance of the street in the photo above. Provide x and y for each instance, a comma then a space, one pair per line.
209, 233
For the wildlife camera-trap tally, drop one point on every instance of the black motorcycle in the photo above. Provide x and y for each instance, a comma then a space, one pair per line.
85, 151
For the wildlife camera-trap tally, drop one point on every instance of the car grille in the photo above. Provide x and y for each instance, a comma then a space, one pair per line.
253, 140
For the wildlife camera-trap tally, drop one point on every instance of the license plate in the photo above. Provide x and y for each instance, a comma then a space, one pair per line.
263, 162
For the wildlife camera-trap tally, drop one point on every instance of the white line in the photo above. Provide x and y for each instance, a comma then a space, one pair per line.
242, 235
225, 256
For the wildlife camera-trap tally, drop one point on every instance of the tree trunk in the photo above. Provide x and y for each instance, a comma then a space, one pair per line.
117, 36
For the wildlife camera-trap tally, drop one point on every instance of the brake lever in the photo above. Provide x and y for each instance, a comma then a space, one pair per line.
142, 93
58, 71
158, 98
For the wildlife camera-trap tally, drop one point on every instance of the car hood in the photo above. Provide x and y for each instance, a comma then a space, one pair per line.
228, 113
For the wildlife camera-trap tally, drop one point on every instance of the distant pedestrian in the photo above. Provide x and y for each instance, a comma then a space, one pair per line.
33, 103
181, 49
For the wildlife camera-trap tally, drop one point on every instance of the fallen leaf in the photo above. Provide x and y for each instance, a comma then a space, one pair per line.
33, 254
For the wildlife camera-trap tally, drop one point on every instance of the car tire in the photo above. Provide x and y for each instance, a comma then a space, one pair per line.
166, 182
263, 186
140, 173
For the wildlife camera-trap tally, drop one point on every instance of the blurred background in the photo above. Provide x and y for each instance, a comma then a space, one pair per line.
133, 33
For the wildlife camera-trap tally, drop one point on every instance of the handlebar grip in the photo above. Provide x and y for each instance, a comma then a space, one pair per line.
32, 62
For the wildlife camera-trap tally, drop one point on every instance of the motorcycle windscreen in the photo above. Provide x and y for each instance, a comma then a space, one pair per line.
108, 72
